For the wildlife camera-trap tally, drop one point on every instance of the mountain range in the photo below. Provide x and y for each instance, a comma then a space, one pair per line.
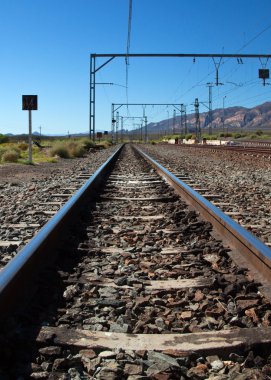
235, 118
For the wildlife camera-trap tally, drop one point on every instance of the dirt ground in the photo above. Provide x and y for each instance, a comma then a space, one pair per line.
26, 173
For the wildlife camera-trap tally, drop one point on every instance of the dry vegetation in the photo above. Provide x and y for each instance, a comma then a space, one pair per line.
49, 151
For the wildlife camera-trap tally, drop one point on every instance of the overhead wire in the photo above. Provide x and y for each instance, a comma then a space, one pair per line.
226, 60
241, 48
128, 48
256, 96
254, 38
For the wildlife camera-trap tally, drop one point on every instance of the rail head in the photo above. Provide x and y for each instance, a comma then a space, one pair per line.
255, 252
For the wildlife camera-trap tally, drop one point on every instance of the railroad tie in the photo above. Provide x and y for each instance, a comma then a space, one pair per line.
219, 342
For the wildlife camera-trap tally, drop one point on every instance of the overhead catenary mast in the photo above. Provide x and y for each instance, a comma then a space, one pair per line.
111, 56
210, 108
198, 130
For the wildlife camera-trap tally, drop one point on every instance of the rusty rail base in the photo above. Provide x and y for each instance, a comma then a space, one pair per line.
256, 253
18, 275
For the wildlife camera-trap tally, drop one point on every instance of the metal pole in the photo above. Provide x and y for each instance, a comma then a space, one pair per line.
198, 131
113, 123
30, 137
174, 121
146, 129
117, 127
182, 112
185, 121
145, 119
92, 97
210, 110
210, 85
224, 114
121, 126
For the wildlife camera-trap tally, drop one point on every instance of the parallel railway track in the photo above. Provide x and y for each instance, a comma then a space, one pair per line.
143, 288
238, 186
243, 149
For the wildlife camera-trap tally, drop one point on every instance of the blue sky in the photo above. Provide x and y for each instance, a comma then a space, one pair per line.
45, 48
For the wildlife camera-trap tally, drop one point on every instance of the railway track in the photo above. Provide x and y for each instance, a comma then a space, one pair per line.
28, 207
234, 185
243, 149
143, 288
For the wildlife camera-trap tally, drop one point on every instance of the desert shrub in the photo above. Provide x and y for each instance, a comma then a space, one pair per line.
188, 136
87, 143
10, 155
77, 150
209, 137
23, 146
60, 150
253, 136
2, 151
259, 132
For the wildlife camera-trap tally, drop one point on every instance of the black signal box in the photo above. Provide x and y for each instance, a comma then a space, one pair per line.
30, 102
264, 73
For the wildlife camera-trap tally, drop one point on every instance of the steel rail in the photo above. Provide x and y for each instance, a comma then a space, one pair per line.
256, 253
16, 276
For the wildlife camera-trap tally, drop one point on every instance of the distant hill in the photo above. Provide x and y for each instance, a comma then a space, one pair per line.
235, 118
